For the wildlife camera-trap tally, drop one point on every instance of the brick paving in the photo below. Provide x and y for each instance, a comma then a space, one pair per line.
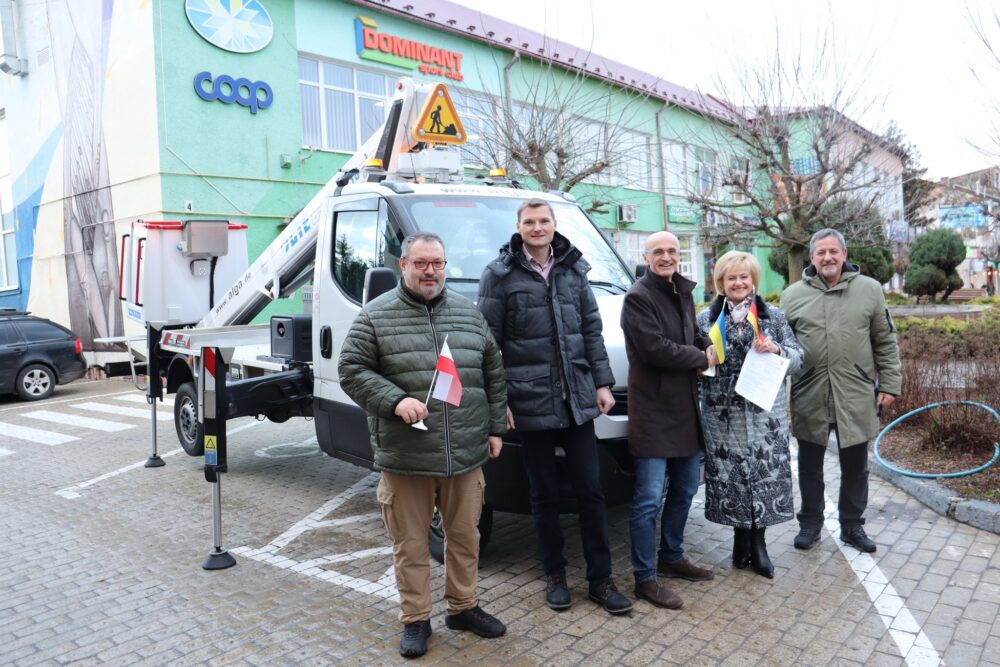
113, 575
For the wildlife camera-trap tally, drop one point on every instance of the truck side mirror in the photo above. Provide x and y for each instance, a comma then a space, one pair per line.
640, 270
378, 282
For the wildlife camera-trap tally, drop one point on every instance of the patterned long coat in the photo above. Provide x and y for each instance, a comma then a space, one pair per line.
748, 476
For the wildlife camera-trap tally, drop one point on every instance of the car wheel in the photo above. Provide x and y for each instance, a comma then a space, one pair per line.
436, 533
35, 382
189, 432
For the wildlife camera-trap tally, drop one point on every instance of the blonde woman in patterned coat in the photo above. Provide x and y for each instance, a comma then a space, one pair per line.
748, 477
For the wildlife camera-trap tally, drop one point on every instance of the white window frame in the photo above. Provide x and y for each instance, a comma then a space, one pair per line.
8, 274
355, 92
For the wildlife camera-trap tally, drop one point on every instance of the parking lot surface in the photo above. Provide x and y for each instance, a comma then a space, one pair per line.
101, 564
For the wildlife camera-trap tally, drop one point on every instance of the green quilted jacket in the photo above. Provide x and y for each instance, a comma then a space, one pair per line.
390, 353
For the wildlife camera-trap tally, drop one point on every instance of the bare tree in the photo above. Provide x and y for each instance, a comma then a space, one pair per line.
792, 149
561, 127
986, 71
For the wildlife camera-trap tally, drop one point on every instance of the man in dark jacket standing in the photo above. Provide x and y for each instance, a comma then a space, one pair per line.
386, 366
543, 314
665, 352
850, 371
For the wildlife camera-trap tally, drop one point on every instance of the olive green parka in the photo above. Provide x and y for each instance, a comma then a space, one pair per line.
850, 353
390, 354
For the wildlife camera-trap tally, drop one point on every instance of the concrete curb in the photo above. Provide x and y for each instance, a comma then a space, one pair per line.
977, 513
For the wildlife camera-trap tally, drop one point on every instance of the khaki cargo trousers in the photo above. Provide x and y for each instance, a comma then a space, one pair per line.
407, 503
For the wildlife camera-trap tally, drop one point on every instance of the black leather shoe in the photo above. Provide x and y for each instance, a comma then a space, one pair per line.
414, 641
557, 592
606, 594
857, 538
807, 538
476, 621
758, 554
741, 548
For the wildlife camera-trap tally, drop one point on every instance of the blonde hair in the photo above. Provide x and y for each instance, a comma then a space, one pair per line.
735, 259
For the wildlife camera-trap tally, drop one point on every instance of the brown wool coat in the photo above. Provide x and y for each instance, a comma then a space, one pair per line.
665, 351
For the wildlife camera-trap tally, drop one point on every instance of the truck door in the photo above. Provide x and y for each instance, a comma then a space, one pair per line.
361, 235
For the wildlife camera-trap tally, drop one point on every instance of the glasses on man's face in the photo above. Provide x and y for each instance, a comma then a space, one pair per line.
422, 264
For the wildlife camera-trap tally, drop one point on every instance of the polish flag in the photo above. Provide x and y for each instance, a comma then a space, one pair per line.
447, 386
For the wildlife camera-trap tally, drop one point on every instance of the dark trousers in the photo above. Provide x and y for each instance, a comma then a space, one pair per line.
853, 484
580, 445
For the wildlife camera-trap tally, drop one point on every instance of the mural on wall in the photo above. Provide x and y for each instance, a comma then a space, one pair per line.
88, 216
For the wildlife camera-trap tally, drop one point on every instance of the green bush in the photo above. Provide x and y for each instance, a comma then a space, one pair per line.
897, 299
773, 298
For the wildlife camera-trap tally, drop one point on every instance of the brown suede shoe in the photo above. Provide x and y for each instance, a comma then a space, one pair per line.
655, 592
684, 569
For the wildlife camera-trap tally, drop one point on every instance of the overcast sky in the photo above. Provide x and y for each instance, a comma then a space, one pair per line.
914, 57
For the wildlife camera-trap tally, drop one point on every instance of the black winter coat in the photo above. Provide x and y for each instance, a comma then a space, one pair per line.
550, 336
665, 351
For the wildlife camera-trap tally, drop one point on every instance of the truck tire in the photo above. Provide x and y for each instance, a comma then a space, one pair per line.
189, 432
436, 533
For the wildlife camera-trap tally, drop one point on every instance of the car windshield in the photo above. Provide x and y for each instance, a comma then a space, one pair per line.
474, 229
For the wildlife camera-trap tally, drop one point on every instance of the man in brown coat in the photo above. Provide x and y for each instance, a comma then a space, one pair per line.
665, 352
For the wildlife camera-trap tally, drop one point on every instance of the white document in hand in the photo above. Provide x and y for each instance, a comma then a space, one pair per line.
761, 377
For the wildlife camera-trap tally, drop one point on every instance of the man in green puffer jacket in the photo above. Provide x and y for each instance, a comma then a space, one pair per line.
386, 366
850, 372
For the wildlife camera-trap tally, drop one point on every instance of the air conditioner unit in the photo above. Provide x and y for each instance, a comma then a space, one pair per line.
627, 214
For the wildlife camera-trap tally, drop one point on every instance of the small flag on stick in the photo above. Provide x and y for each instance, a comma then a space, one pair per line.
447, 385
753, 319
718, 336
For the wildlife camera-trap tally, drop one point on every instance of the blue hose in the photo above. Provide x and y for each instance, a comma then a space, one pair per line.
931, 475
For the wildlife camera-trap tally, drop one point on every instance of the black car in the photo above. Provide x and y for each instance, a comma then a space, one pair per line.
36, 355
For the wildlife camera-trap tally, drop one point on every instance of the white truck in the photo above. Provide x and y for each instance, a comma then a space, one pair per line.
346, 242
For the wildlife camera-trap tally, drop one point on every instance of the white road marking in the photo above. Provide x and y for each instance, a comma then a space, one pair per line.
136, 397
385, 587
73, 492
77, 420
5, 452
54, 401
122, 411
913, 644
35, 435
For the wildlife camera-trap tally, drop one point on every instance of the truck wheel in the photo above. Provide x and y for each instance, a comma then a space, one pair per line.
189, 432
436, 533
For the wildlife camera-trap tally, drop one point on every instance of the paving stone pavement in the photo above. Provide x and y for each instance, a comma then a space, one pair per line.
101, 564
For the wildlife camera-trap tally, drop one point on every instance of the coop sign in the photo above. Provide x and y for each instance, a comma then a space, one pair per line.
253, 95
397, 51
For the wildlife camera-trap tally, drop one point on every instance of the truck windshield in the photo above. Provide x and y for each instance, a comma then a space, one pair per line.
474, 229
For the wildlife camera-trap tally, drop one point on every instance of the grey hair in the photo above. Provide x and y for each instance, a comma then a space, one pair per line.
826, 233
419, 237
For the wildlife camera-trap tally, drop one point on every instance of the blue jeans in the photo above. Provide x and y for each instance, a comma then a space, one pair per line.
583, 465
650, 474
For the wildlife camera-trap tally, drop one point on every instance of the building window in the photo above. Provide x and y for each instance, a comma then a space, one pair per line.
8, 253
702, 163
635, 165
739, 172
631, 244
341, 106
480, 118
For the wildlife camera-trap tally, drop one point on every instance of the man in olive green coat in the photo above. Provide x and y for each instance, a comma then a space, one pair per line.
850, 372
387, 366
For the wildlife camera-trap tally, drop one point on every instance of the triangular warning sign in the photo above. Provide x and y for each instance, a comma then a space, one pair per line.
439, 122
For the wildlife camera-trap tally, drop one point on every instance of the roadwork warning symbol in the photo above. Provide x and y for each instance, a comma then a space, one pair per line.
439, 122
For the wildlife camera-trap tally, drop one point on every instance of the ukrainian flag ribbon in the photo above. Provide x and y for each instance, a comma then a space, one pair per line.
753, 320
718, 335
